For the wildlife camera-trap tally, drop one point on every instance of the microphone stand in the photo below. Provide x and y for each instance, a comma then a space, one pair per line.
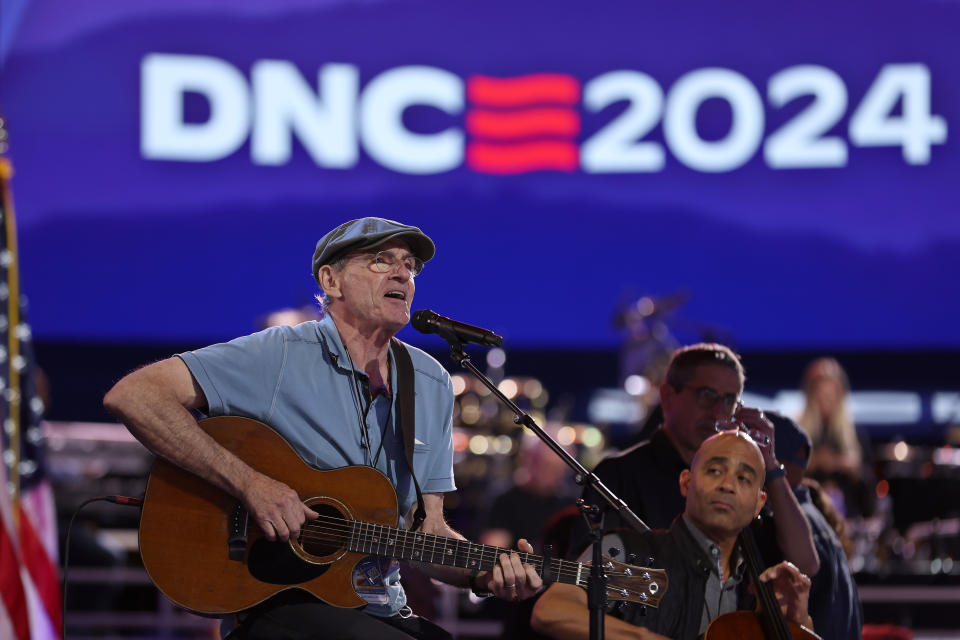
597, 582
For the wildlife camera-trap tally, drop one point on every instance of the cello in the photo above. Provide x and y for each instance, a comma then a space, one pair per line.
768, 622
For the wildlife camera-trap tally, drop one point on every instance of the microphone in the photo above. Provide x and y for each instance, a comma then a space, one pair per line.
426, 321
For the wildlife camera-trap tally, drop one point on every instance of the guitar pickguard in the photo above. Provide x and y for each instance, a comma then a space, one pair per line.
308, 557
276, 563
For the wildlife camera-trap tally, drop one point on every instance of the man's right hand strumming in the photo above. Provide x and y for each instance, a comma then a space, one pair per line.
275, 507
154, 403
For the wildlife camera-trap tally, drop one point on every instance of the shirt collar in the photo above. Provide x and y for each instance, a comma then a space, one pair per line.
330, 335
327, 329
713, 551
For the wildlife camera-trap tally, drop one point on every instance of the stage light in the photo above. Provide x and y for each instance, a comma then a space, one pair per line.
503, 444
532, 388
460, 440
645, 306
508, 387
901, 450
592, 437
496, 358
479, 445
636, 385
469, 413
883, 489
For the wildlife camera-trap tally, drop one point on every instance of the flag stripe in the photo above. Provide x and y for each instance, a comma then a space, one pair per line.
42, 571
11, 588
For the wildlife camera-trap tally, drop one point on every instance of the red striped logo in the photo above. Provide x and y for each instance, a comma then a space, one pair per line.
500, 125
522, 124
522, 91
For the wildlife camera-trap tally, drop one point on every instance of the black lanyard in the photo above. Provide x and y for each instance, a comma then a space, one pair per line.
405, 394
358, 396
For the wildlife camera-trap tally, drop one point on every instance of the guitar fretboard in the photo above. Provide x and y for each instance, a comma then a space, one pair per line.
381, 540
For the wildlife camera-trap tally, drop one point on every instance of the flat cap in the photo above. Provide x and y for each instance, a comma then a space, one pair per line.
365, 233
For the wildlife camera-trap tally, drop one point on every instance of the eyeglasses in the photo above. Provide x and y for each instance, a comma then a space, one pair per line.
385, 262
707, 398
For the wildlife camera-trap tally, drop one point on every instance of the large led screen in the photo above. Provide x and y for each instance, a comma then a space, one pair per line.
791, 172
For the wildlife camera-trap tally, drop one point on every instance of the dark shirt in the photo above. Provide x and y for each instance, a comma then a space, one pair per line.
688, 568
834, 603
646, 477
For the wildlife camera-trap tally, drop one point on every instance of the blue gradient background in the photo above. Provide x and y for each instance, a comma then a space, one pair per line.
118, 248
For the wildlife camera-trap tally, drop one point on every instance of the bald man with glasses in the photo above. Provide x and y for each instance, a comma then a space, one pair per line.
701, 395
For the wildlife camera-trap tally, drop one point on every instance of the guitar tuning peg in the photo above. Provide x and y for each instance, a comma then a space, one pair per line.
613, 552
643, 610
650, 561
631, 558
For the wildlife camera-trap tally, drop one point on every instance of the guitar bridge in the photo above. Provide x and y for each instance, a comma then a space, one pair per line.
237, 542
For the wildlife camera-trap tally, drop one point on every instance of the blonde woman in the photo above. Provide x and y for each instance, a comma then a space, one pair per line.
837, 458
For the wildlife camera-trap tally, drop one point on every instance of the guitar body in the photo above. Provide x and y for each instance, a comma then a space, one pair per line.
186, 524
203, 553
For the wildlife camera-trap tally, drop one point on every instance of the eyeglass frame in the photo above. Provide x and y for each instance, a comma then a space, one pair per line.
391, 262
707, 398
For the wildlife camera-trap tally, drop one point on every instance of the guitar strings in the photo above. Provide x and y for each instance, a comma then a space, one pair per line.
345, 531
342, 532
367, 536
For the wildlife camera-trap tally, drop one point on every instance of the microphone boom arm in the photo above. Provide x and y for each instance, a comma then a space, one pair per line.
583, 476
597, 581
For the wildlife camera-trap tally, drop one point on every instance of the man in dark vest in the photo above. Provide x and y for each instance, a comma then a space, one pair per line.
724, 491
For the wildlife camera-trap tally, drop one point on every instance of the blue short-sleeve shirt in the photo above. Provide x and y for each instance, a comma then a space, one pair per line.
300, 381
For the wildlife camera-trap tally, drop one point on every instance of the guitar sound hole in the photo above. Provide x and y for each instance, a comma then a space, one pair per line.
327, 534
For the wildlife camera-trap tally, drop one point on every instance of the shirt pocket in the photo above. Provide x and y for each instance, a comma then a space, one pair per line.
421, 447
422, 457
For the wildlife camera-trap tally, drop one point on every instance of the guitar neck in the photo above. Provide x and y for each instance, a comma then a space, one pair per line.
399, 543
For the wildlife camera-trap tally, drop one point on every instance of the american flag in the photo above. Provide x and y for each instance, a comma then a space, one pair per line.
29, 582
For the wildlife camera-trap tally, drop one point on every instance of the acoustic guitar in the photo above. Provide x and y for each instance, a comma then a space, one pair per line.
203, 552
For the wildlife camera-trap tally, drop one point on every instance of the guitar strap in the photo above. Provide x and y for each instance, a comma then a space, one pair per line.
406, 400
